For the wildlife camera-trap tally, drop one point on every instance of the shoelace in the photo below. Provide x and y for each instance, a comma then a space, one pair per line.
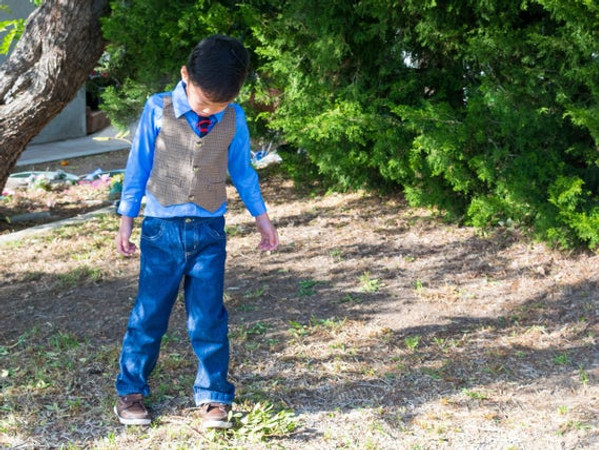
129, 402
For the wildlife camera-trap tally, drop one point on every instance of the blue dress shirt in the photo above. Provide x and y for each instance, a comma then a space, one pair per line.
141, 158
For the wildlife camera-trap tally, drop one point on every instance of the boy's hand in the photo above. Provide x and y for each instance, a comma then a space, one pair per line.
123, 243
270, 238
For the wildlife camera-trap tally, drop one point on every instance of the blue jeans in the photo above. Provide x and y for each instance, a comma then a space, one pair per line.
192, 249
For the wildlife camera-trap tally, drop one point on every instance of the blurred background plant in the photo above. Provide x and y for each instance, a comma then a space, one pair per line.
98, 81
13, 28
487, 110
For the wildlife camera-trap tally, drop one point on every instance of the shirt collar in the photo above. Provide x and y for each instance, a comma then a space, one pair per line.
181, 104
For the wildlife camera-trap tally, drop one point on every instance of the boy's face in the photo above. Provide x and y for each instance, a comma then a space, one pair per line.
198, 100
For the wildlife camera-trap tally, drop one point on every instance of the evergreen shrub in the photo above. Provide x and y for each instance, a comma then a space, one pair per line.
488, 109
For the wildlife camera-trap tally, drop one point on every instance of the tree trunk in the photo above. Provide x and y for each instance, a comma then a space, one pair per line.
60, 45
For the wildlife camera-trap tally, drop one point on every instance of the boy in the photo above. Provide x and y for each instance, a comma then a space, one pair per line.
185, 143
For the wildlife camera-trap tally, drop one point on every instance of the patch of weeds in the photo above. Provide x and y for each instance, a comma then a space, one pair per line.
502, 322
583, 375
258, 328
399, 364
348, 298
494, 369
175, 361
273, 343
79, 275
536, 329
475, 395
306, 288
256, 293
412, 342
562, 410
234, 230
332, 324
297, 329
247, 308
244, 332
169, 338
439, 342
387, 335
573, 425
435, 374
238, 333
368, 371
264, 422
74, 404
252, 346
338, 346
561, 360
418, 286
14, 245
337, 254
369, 284
64, 341
261, 423
110, 439
444, 344
589, 339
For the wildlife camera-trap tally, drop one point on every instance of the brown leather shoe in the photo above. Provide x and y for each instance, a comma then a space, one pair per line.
130, 410
215, 415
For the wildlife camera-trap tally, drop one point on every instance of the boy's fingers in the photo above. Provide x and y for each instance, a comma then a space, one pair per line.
130, 248
124, 246
269, 243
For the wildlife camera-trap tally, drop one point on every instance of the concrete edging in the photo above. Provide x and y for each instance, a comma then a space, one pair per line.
41, 229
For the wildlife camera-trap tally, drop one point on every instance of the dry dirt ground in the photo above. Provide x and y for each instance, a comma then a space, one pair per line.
378, 325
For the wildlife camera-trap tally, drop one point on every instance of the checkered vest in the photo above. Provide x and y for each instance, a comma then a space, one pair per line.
188, 168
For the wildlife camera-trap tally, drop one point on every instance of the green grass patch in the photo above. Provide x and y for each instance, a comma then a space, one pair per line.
307, 288
79, 275
369, 284
60, 383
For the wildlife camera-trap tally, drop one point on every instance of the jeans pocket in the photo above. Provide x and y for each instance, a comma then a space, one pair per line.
151, 229
216, 228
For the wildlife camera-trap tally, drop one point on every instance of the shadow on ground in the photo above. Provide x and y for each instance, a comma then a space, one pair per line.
366, 305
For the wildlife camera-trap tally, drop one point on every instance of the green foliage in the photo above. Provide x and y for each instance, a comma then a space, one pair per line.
264, 422
487, 109
149, 41
13, 28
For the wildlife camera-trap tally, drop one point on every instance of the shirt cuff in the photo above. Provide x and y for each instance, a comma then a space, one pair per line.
256, 209
128, 208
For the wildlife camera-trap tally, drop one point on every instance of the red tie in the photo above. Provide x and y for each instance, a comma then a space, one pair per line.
203, 124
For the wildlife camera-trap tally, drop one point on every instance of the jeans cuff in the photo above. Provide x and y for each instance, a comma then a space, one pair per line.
123, 388
205, 397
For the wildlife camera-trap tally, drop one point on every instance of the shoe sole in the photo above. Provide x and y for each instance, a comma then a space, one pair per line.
216, 424
126, 421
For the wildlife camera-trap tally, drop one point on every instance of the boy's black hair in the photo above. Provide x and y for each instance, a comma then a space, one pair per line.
218, 65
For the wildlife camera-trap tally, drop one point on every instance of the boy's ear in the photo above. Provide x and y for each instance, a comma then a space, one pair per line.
184, 74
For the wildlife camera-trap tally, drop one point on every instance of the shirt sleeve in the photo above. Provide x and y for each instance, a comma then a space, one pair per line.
243, 175
141, 158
